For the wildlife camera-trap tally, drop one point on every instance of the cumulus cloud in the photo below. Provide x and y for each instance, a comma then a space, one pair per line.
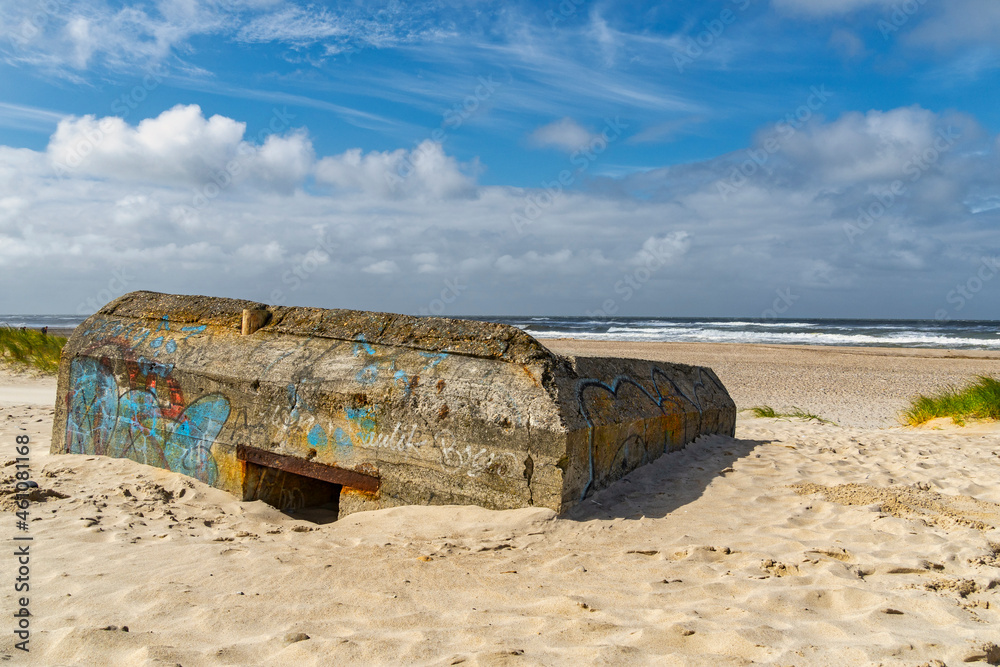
565, 134
385, 267
180, 146
535, 262
871, 147
424, 171
336, 233
657, 250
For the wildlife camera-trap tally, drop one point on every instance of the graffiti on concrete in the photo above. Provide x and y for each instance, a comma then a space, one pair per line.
589, 390
396, 441
474, 463
138, 423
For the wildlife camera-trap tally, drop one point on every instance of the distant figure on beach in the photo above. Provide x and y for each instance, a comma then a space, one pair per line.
45, 331
23, 329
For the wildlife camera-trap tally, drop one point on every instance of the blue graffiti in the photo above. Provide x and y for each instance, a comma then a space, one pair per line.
362, 344
403, 381
342, 439
133, 425
188, 444
194, 330
363, 419
317, 437
659, 400
435, 358
93, 411
368, 374
138, 341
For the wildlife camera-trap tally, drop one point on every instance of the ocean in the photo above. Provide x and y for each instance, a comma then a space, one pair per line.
965, 335
962, 335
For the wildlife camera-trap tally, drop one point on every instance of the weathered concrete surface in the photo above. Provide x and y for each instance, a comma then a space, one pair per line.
394, 409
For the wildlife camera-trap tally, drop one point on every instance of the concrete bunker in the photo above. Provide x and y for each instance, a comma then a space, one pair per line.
359, 410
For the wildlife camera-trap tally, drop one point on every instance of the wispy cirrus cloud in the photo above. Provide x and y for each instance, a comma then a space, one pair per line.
24, 117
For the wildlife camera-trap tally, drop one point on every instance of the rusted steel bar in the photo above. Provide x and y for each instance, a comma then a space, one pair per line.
297, 466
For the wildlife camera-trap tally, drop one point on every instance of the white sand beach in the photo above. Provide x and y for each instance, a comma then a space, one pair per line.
794, 543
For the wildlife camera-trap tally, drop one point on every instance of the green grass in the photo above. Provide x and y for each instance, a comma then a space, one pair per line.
30, 348
767, 412
979, 400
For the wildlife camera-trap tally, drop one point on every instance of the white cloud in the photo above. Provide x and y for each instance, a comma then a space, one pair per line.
294, 25
383, 268
19, 116
565, 134
126, 38
535, 262
81, 33
944, 25
179, 146
260, 253
657, 251
779, 228
957, 23
427, 262
426, 171
877, 146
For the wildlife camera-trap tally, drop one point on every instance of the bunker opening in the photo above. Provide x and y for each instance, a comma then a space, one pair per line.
300, 488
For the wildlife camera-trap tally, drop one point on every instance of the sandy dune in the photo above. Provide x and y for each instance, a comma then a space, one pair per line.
794, 544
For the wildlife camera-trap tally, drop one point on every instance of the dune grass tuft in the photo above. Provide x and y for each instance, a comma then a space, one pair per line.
979, 400
767, 412
30, 348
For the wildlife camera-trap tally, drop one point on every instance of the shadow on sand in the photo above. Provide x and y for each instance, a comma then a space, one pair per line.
668, 483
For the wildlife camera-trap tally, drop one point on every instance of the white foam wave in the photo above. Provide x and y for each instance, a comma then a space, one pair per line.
693, 334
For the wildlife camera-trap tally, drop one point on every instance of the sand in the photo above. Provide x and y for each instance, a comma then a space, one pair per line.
796, 543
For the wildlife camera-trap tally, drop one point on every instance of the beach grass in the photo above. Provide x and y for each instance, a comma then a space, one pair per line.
767, 412
979, 400
30, 348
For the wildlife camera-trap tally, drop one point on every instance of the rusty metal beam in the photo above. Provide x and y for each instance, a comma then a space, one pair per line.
297, 466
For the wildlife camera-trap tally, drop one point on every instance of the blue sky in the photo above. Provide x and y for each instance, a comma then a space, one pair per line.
832, 158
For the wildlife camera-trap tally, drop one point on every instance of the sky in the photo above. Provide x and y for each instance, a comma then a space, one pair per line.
743, 158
